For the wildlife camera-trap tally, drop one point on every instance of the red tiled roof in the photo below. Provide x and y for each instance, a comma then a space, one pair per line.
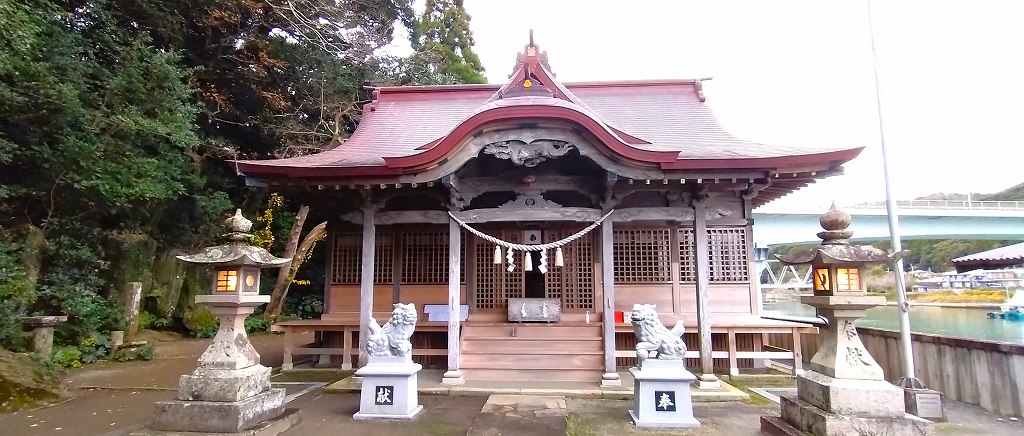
664, 123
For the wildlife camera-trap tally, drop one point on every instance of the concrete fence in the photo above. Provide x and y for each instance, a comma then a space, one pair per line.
986, 373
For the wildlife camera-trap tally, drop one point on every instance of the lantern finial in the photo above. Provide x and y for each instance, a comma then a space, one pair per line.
836, 224
238, 227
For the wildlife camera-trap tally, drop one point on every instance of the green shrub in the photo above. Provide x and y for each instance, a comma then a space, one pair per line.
67, 357
148, 321
305, 307
255, 323
16, 293
201, 322
94, 348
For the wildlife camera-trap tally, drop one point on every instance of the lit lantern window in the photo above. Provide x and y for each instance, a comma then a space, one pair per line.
847, 279
821, 279
227, 280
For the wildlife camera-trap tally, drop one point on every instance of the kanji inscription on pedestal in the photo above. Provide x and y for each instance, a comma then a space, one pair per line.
384, 396
665, 401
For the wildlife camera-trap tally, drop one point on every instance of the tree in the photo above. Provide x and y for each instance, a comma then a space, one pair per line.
443, 45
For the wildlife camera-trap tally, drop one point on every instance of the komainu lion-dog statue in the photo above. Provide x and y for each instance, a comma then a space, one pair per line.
392, 339
652, 335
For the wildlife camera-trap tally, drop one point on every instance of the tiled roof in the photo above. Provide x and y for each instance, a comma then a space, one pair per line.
1007, 253
663, 123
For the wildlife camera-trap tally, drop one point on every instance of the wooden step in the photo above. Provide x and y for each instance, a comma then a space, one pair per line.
528, 346
532, 361
531, 331
529, 375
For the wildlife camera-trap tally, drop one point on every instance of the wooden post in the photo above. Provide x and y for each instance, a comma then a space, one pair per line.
708, 380
289, 345
734, 367
673, 250
611, 375
798, 354
366, 279
453, 376
346, 359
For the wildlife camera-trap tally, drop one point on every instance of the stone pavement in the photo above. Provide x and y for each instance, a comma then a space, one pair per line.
429, 382
125, 402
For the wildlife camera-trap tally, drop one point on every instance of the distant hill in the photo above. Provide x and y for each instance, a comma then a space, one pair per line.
1011, 194
1015, 193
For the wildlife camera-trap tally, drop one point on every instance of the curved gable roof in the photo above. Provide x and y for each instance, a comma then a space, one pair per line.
663, 124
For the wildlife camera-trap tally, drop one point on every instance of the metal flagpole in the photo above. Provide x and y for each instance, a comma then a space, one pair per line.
908, 380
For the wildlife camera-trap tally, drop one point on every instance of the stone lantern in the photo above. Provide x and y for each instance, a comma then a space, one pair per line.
845, 391
229, 391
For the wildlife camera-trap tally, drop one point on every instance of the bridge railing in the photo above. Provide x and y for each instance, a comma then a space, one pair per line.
946, 204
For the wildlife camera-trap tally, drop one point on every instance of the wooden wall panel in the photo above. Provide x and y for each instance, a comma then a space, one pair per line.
723, 298
658, 294
731, 298
426, 294
345, 298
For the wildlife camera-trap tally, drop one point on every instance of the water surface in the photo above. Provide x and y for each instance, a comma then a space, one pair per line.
948, 321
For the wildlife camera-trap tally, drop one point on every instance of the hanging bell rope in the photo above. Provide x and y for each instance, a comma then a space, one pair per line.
510, 246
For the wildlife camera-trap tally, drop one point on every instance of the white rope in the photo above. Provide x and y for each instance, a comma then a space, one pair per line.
534, 247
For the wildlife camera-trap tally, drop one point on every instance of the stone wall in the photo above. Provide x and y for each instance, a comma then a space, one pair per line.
986, 373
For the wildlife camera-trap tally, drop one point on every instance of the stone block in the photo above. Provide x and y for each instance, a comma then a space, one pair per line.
807, 418
389, 391
662, 397
223, 385
850, 397
925, 403
218, 417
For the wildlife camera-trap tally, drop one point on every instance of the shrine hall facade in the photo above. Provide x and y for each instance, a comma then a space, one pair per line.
520, 218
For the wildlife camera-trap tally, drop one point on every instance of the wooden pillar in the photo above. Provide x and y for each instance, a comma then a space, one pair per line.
734, 367
366, 279
673, 250
707, 380
453, 376
611, 375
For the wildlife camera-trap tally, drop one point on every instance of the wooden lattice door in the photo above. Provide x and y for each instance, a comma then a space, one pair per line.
494, 284
573, 282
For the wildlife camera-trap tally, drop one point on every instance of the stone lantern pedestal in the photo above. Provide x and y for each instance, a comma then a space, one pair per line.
229, 391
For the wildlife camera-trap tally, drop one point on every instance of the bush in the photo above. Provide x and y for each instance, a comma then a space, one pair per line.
255, 323
148, 321
94, 348
67, 357
201, 322
305, 307
16, 294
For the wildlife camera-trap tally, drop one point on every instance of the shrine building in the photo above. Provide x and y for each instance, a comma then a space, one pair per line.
522, 218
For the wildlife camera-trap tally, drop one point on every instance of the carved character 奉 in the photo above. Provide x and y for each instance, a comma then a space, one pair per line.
652, 335
392, 339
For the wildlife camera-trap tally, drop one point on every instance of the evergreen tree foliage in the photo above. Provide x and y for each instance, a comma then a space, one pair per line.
444, 47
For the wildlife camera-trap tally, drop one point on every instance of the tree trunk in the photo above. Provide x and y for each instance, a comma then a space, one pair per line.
281, 285
300, 254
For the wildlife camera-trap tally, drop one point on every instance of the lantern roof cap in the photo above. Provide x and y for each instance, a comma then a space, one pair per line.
835, 248
237, 251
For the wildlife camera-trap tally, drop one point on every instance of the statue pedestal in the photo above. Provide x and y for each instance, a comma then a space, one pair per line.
661, 395
389, 390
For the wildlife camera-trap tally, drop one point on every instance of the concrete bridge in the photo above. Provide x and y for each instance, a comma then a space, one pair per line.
919, 219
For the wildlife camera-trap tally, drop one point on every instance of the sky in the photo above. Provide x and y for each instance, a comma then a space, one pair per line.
800, 72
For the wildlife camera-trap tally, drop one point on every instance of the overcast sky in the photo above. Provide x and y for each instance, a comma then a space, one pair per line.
800, 73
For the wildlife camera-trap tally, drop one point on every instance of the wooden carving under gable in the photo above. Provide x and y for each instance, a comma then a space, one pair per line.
529, 201
528, 154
